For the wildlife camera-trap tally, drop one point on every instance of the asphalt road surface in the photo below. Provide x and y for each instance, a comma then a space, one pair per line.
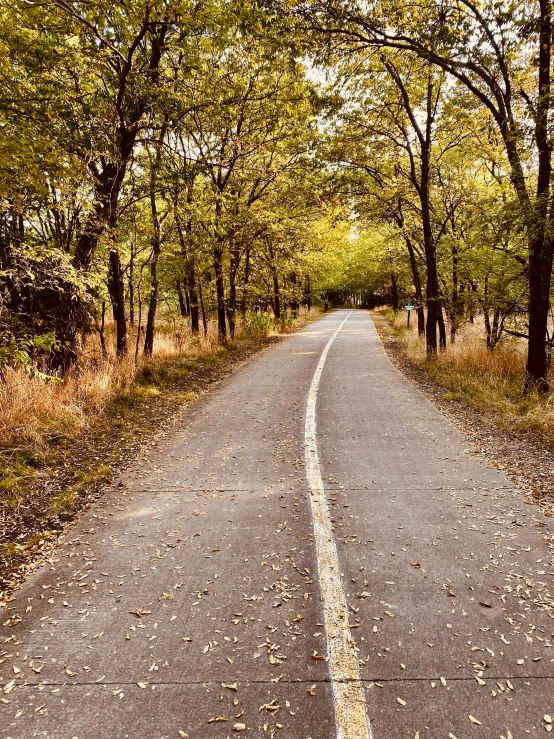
313, 552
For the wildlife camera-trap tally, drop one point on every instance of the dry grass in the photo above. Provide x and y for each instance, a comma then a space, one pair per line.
33, 413
489, 382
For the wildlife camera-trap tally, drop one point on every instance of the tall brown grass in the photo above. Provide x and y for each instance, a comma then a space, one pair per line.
488, 381
34, 411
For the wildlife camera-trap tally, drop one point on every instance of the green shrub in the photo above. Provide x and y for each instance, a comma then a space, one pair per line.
257, 325
286, 321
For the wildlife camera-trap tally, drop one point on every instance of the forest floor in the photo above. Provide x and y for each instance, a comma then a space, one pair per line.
524, 453
43, 492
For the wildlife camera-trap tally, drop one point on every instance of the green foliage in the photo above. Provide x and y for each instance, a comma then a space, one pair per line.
149, 153
161, 157
258, 325
22, 353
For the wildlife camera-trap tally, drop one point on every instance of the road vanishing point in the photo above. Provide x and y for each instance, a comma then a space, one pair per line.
312, 552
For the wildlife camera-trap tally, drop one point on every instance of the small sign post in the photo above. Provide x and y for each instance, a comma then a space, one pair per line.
409, 308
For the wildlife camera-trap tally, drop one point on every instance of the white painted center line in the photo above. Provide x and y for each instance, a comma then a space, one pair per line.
349, 702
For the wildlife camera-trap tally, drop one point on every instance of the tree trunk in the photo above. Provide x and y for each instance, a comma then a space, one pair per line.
276, 289
294, 302
432, 289
495, 328
394, 293
246, 280
455, 312
232, 303
432, 293
417, 286
472, 302
189, 271
117, 296
139, 327
308, 294
156, 247
204, 319
488, 329
442, 328
152, 304
540, 269
486, 314
181, 297
276, 296
220, 295
131, 284
540, 242
100, 330
421, 182
190, 276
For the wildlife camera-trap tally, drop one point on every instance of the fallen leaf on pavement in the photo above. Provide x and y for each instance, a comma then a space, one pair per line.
315, 655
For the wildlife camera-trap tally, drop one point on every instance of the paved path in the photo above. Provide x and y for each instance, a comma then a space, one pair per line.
189, 600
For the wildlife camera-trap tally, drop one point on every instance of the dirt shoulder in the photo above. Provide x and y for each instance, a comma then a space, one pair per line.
522, 456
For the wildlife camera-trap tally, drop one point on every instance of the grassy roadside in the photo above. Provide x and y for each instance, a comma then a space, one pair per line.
59, 449
488, 382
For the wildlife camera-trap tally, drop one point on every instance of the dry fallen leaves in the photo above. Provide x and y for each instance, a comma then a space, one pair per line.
315, 655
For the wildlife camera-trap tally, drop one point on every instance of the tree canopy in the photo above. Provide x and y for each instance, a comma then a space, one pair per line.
216, 159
